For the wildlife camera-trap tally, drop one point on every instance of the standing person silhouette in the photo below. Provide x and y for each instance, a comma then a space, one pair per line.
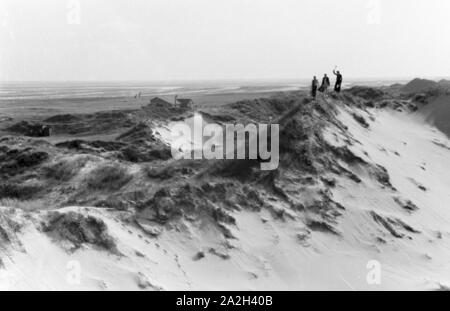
314, 86
325, 84
337, 86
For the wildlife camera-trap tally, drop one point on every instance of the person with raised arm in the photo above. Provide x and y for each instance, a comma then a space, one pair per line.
338, 84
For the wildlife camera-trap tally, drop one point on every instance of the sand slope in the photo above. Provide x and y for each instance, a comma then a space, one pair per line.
437, 113
384, 201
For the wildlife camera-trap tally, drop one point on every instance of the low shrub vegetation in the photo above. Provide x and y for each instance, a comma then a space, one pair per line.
108, 177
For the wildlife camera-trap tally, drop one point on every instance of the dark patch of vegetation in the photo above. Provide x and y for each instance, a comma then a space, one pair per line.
322, 226
366, 93
80, 229
8, 230
64, 170
62, 118
138, 154
221, 118
406, 204
142, 145
166, 172
15, 161
30, 129
382, 176
108, 177
17, 191
386, 224
360, 119
96, 145
95, 123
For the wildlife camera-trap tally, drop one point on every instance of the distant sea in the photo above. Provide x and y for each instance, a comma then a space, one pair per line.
60, 90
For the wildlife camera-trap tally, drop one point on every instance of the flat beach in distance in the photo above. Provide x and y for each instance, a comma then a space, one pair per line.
34, 100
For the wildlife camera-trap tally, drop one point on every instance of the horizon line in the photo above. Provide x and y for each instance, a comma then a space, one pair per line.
222, 79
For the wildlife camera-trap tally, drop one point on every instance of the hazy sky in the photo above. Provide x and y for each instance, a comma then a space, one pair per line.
222, 39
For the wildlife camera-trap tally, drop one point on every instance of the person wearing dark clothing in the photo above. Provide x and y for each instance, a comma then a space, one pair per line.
325, 84
337, 86
314, 86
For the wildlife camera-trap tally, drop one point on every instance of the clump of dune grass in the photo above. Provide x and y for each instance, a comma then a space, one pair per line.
79, 229
65, 169
18, 191
108, 177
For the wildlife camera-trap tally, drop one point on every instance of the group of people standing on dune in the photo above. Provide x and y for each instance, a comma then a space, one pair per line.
326, 84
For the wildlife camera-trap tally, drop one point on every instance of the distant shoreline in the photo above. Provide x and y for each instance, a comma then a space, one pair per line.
114, 90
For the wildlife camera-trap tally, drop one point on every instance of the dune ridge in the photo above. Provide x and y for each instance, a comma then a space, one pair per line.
362, 177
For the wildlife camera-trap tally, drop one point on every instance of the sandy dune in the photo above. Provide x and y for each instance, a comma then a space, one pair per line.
361, 182
437, 113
